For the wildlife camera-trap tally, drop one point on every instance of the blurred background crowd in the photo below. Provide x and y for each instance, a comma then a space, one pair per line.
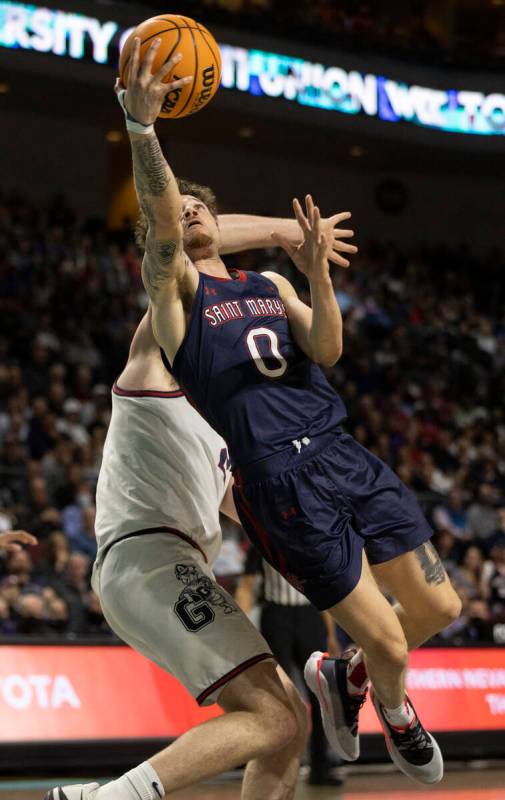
453, 33
423, 377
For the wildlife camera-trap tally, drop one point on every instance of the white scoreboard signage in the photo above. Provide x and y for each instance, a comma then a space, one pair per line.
294, 80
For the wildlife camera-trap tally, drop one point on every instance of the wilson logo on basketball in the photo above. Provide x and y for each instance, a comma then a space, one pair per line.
208, 80
172, 98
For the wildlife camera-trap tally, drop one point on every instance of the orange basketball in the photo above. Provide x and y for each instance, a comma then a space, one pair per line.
200, 58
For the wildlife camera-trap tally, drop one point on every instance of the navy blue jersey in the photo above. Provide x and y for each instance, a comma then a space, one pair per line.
239, 365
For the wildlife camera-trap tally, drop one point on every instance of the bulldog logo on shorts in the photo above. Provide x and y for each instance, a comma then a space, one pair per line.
196, 603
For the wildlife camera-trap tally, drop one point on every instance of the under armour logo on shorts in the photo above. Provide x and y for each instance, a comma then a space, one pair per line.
299, 443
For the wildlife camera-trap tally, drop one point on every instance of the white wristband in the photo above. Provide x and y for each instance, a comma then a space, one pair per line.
132, 124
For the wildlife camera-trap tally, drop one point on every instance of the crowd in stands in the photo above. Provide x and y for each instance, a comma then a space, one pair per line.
423, 377
457, 34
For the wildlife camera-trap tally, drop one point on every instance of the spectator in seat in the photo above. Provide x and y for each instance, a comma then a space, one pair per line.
493, 582
36, 374
20, 565
95, 620
74, 590
498, 537
85, 541
52, 569
482, 515
468, 574
56, 613
452, 516
13, 469
8, 626
10, 589
39, 440
71, 424
30, 614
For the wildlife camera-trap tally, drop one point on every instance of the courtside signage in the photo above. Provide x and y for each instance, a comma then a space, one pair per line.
68, 693
293, 80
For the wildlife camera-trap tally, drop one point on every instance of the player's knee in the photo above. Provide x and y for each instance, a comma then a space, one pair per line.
288, 727
302, 720
279, 727
448, 610
390, 650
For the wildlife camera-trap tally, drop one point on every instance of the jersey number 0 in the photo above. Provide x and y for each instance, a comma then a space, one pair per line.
273, 344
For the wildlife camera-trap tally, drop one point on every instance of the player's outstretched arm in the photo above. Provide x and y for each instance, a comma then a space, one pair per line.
167, 273
249, 232
317, 330
155, 183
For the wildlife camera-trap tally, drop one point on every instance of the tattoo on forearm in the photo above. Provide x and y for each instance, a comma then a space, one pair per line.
157, 263
165, 251
149, 169
431, 565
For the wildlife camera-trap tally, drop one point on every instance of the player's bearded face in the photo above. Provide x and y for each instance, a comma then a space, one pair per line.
200, 227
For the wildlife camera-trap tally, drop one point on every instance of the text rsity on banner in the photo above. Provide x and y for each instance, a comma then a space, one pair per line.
282, 77
92, 693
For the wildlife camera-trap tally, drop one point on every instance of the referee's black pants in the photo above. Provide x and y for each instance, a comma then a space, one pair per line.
293, 633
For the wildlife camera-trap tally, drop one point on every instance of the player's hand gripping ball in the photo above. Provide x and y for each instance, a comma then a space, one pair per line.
201, 59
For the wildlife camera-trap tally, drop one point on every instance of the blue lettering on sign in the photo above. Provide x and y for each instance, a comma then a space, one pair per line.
286, 78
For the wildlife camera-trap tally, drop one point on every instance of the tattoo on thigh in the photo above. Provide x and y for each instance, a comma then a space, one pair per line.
431, 565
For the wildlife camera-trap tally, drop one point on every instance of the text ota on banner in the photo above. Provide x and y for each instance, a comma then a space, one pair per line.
65, 693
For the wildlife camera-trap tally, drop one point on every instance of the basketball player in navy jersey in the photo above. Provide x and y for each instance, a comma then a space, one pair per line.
329, 515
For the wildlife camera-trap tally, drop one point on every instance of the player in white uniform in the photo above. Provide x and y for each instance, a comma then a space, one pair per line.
163, 479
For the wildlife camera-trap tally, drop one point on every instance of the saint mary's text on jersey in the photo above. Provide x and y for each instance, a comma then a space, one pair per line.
231, 310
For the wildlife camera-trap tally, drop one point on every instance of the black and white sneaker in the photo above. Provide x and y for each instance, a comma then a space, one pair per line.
80, 791
327, 678
412, 749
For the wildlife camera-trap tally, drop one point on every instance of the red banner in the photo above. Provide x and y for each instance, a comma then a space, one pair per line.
64, 693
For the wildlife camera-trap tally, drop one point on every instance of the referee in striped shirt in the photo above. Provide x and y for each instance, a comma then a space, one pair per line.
294, 629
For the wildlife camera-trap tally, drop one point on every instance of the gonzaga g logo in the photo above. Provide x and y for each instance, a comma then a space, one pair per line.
199, 598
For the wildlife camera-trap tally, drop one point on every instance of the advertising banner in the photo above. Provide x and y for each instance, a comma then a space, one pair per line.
287, 78
54, 693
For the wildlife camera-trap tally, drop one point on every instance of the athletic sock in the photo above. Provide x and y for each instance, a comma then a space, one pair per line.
401, 717
141, 783
357, 678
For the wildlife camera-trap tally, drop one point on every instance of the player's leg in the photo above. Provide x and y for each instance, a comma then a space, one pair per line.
162, 599
391, 524
426, 600
318, 545
261, 725
371, 622
396, 536
368, 618
275, 775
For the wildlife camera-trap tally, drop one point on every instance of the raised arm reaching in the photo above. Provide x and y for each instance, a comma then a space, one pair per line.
167, 273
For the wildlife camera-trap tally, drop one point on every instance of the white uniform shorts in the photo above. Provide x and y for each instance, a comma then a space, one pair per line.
159, 595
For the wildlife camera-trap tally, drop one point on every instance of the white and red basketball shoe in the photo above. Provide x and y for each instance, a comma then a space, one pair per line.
327, 678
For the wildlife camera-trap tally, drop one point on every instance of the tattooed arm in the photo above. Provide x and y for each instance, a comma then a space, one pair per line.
167, 273
160, 201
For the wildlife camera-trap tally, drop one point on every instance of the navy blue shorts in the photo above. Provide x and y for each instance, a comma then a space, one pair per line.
311, 510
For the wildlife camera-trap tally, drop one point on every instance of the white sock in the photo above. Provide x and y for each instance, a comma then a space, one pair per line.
357, 678
400, 717
141, 783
